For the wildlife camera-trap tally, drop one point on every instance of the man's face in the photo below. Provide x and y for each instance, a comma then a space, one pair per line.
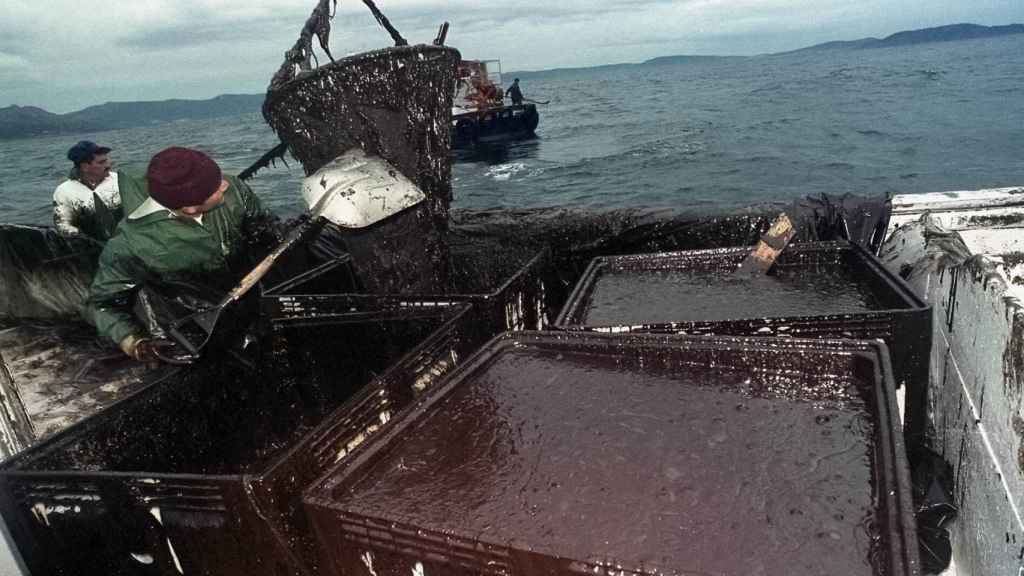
216, 199
97, 170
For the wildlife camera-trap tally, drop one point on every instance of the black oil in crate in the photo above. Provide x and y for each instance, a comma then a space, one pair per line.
571, 453
815, 290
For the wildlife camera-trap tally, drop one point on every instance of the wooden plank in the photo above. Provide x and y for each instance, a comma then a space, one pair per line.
774, 241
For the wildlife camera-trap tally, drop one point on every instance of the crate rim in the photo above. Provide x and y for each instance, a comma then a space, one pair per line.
439, 300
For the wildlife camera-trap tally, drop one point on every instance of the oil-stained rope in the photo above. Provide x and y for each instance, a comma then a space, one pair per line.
383, 20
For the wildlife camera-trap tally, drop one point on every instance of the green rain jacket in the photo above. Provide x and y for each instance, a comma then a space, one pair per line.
153, 245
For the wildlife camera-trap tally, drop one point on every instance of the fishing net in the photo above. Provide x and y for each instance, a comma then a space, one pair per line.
394, 103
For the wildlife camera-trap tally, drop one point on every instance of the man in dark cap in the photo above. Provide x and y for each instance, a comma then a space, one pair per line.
185, 222
88, 203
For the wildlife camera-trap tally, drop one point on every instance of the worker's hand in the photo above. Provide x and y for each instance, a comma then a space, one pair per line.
141, 349
155, 350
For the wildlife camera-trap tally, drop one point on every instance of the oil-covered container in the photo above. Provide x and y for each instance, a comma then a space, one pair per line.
579, 453
517, 302
815, 290
202, 473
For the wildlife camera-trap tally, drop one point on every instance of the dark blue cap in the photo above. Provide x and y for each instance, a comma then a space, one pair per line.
84, 151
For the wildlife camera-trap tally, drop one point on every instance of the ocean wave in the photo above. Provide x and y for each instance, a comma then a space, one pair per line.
665, 148
776, 122
760, 159
772, 88
838, 165
505, 171
851, 72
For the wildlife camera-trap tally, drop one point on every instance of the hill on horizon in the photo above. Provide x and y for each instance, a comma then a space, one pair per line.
26, 121
948, 33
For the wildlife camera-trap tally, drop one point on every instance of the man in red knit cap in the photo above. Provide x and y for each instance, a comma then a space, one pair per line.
184, 222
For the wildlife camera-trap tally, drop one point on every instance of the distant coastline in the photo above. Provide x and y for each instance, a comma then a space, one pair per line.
949, 33
28, 121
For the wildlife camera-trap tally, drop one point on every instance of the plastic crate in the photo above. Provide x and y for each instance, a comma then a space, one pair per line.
202, 474
583, 453
894, 314
517, 304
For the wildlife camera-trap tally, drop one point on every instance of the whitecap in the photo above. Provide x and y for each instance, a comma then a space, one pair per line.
505, 171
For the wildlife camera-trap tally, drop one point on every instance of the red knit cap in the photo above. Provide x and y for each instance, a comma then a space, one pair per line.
180, 177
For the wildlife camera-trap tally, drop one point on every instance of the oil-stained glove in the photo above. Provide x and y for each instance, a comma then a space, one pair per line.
141, 349
155, 350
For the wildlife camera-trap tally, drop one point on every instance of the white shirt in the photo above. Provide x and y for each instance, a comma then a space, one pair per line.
72, 196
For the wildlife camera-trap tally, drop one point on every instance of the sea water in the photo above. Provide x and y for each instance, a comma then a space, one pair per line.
701, 136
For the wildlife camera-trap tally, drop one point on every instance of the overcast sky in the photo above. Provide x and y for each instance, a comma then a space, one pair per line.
64, 55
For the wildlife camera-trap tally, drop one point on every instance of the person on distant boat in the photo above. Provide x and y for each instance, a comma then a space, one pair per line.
515, 93
494, 94
484, 95
88, 203
186, 224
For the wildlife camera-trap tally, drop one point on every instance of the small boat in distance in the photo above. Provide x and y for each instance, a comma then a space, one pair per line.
479, 112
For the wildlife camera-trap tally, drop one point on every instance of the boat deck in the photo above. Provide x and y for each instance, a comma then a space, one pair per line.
963, 252
54, 375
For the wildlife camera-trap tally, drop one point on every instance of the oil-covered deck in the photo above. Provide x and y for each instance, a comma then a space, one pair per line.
55, 374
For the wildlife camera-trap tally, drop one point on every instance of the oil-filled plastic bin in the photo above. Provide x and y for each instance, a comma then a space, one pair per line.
584, 453
815, 290
518, 303
202, 473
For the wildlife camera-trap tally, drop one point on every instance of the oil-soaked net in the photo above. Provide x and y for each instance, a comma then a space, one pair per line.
394, 103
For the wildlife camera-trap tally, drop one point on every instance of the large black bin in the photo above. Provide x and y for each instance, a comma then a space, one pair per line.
201, 473
815, 290
517, 303
588, 453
